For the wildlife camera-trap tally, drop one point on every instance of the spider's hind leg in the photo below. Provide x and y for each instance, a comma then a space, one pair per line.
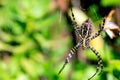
71, 53
100, 65
67, 60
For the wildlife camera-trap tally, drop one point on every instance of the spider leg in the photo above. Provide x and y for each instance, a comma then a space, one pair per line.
71, 53
75, 25
100, 30
78, 35
100, 65
74, 21
76, 28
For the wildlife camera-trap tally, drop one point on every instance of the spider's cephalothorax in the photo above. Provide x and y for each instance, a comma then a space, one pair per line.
84, 33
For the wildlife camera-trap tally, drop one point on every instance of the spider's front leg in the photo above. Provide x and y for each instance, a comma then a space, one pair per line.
100, 65
100, 30
71, 53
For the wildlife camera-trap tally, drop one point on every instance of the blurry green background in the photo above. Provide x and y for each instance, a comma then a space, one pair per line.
34, 42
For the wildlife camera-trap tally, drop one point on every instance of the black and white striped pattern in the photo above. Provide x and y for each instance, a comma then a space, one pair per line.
99, 31
70, 55
100, 65
84, 33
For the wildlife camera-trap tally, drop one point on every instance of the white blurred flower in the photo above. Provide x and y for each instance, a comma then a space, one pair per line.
112, 29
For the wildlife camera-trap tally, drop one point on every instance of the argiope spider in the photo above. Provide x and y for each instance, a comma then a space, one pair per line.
84, 33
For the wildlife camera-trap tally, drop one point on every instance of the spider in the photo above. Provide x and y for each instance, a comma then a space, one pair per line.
84, 32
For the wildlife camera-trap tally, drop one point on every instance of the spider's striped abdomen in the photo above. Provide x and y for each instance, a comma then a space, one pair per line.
85, 30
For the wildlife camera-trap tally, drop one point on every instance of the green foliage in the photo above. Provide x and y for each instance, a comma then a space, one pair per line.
110, 2
31, 39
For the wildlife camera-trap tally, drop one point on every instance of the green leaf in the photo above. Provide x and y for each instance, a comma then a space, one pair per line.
110, 2
116, 73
